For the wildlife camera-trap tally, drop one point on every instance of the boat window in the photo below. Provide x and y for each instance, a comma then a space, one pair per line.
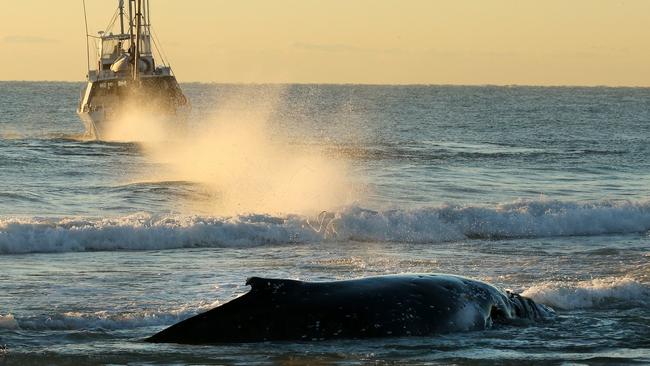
145, 45
111, 48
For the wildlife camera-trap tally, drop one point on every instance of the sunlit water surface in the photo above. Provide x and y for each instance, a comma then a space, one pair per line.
545, 191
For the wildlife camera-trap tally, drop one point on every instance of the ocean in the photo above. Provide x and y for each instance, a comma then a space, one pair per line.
542, 190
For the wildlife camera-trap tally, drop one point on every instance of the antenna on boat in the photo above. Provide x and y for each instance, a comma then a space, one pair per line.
87, 46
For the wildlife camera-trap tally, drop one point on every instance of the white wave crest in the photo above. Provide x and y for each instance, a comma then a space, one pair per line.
142, 232
620, 292
426, 225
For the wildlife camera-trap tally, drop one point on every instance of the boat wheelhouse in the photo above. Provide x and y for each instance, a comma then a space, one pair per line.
126, 77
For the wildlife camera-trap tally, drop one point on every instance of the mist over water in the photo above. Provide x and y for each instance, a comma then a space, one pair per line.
241, 165
541, 190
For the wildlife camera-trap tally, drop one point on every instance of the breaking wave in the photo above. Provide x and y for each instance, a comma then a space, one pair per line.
426, 225
622, 292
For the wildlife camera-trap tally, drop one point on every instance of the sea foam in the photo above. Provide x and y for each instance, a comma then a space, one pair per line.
425, 225
619, 292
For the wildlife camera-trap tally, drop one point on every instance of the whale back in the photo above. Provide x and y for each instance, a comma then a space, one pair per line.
396, 305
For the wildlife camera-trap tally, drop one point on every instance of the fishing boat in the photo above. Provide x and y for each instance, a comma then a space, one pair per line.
126, 77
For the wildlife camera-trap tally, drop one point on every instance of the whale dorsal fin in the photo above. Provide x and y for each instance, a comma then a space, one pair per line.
270, 284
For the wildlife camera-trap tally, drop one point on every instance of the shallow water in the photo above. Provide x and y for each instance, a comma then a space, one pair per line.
541, 190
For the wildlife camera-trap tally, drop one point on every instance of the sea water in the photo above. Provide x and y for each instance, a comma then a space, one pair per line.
545, 191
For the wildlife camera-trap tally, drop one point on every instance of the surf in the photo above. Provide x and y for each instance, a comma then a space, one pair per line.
429, 225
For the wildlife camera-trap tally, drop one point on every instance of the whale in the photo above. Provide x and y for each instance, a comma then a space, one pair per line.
371, 307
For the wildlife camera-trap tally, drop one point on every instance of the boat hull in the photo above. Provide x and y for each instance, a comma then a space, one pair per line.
105, 104
100, 125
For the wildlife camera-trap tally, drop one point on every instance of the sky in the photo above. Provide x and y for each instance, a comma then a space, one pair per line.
470, 42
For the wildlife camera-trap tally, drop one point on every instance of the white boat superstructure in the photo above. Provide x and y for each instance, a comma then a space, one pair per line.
127, 76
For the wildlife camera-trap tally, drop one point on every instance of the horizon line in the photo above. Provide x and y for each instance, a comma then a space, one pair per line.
366, 84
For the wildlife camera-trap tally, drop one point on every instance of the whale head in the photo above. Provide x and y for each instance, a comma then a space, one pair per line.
526, 308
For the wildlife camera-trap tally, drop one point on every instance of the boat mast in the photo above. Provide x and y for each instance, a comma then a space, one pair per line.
87, 45
148, 17
138, 36
131, 19
121, 2
131, 45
